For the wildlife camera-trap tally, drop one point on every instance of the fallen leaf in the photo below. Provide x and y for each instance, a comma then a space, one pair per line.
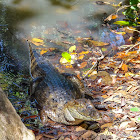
129, 74
104, 96
80, 128
124, 125
37, 41
81, 57
98, 43
123, 102
110, 17
88, 134
63, 60
82, 65
69, 66
42, 52
72, 49
119, 33
135, 109
104, 49
67, 56
83, 52
124, 67
106, 125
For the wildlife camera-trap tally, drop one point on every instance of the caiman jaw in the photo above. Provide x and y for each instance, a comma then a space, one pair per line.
81, 109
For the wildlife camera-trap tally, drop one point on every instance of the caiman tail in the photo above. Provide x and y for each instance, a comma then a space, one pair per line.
58, 96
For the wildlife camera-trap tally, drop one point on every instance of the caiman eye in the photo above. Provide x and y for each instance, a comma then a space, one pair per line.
89, 106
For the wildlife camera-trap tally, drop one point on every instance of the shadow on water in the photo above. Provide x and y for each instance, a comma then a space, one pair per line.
13, 53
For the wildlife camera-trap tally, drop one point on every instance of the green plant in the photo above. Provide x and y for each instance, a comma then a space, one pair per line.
132, 16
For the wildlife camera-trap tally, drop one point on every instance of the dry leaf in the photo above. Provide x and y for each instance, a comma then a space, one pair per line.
82, 65
124, 125
104, 96
97, 43
119, 33
110, 17
124, 67
69, 66
106, 125
37, 41
88, 134
81, 57
80, 128
42, 52
83, 52
123, 102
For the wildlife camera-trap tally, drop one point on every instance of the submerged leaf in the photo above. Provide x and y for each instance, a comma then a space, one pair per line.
37, 40
67, 56
43, 51
72, 49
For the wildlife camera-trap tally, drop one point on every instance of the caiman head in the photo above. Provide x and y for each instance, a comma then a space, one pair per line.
79, 110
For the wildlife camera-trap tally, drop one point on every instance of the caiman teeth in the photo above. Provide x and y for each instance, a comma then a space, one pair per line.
74, 113
68, 115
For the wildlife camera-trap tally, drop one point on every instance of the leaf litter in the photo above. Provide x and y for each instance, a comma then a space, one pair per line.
113, 82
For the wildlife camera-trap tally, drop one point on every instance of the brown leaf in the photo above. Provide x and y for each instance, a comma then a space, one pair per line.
88, 134
106, 125
98, 43
80, 128
82, 65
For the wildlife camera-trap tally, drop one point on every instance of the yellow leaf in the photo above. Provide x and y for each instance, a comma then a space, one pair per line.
43, 51
37, 40
98, 43
104, 49
129, 74
81, 57
124, 67
83, 52
72, 49
69, 66
63, 60
122, 33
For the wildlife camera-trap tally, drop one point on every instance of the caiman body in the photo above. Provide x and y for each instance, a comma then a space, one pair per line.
59, 98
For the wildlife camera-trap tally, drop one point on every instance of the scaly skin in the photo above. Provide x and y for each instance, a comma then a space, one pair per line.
60, 99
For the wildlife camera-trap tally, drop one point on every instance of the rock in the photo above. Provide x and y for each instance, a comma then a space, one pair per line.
11, 126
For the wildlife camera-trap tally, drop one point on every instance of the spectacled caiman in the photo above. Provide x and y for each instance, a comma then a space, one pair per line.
58, 95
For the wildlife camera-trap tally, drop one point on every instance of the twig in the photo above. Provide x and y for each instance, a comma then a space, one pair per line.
132, 47
116, 12
133, 30
97, 63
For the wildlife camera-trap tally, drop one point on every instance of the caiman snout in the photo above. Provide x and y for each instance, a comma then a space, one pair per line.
81, 109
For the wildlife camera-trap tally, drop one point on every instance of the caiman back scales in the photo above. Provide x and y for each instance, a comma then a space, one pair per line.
59, 97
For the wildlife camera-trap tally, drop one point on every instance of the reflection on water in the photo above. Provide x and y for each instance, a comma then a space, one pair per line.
21, 19
47, 19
